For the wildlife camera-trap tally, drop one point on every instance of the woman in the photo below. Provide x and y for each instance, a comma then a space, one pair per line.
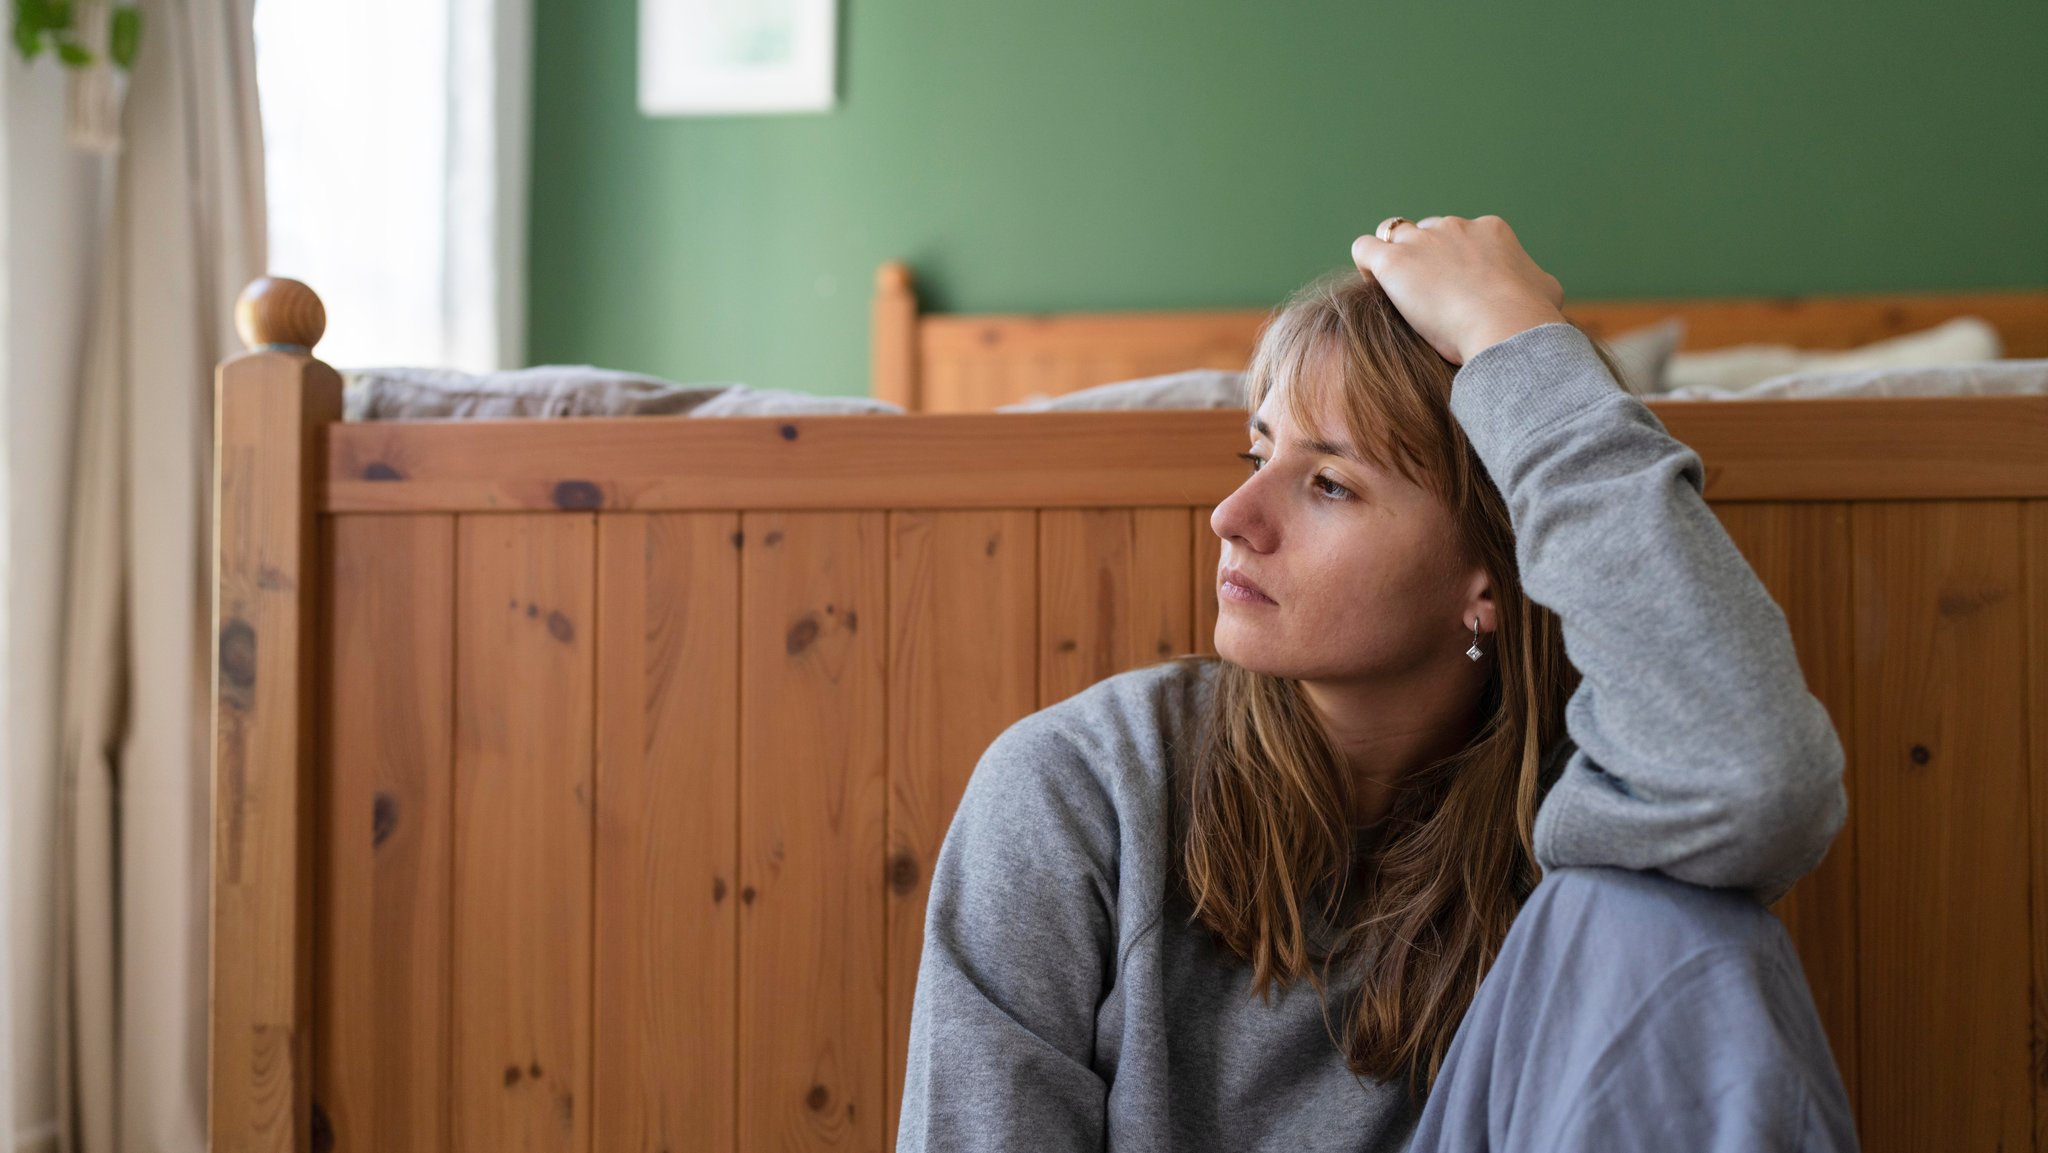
1389, 874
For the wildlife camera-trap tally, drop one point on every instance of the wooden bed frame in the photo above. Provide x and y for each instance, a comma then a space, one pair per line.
576, 782
974, 362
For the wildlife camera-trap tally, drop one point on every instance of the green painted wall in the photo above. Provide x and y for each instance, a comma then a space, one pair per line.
1053, 154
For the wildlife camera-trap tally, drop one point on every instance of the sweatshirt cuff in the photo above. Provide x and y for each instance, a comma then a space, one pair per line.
1535, 378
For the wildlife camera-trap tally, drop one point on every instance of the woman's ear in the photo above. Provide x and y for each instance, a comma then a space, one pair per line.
1479, 603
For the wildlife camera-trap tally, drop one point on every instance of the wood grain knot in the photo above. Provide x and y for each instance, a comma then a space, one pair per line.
512, 1075
1068, 646
789, 432
818, 1099
238, 664
383, 817
902, 873
578, 496
322, 1136
560, 628
739, 539
1920, 755
852, 621
717, 890
747, 895
801, 635
1962, 602
378, 470
772, 539
533, 1070
992, 543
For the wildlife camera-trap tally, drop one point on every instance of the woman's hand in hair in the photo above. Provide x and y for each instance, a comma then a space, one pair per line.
1462, 284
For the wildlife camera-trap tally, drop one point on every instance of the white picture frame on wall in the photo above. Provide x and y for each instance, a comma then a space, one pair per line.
726, 57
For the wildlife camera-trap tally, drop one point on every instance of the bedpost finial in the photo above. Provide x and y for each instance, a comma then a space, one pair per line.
893, 277
280, 314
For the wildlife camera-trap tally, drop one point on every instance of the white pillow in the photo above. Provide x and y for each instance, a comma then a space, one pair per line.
1965, 338
1980, 378
548, 390
1194, 388
739, 400
1643, 353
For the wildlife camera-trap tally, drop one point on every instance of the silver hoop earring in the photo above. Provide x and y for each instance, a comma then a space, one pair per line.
1473, 652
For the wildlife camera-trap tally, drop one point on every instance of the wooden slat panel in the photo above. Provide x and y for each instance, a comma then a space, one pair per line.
524, 669
963, 664
1114, 590
1208, 554
1918, 448
270, 409
381, 982
667, 812
2034, 525
1801, 553
812, 796
1943, 907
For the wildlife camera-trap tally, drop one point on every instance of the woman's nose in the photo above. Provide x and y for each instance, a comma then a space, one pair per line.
1240, 517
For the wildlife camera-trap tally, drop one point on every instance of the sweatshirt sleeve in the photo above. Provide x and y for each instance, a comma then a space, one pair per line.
1700, 753
1018, 941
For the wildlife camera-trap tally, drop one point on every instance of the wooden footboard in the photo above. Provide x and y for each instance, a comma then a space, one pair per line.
577, 782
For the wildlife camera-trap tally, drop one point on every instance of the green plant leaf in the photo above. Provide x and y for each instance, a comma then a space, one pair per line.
73, 53
28, 28
126, 37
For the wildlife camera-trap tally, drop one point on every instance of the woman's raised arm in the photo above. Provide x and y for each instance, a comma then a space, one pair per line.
1701, 752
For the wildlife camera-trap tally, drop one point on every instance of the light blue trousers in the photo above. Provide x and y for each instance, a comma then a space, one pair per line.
1631, 1011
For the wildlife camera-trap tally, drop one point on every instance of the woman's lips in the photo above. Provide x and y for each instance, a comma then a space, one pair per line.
1234, 586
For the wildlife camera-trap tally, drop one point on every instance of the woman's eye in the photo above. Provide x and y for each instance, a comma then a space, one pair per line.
1330, 487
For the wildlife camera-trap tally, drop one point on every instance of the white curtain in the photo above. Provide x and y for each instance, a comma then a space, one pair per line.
412, 228
397, 140
54, 197
185, 232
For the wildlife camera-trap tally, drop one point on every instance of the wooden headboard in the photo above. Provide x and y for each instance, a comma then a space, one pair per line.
972, 363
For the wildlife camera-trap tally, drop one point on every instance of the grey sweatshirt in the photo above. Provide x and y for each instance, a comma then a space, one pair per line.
1064, 1001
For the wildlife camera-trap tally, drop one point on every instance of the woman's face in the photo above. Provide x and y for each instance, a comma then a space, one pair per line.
1359, 566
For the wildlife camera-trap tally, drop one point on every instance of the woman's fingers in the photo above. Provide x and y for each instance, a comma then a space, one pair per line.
1460, 283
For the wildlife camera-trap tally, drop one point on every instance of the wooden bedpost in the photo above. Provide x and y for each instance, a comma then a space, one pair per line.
271, 408
895, 337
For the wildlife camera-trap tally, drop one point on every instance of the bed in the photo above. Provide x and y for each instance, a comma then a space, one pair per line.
576, 781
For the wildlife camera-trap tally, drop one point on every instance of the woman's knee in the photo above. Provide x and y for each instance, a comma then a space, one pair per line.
1641, 917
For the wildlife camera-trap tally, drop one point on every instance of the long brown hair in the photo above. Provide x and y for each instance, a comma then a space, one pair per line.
1266, 852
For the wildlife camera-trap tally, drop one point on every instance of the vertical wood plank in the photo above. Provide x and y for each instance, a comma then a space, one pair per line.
271, 411
381, 976
1943, 909
667, 837
812, 797
1801, 553
1162, 613
525, 627
1208, 554
962, 666
1112, 594
2034, 525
